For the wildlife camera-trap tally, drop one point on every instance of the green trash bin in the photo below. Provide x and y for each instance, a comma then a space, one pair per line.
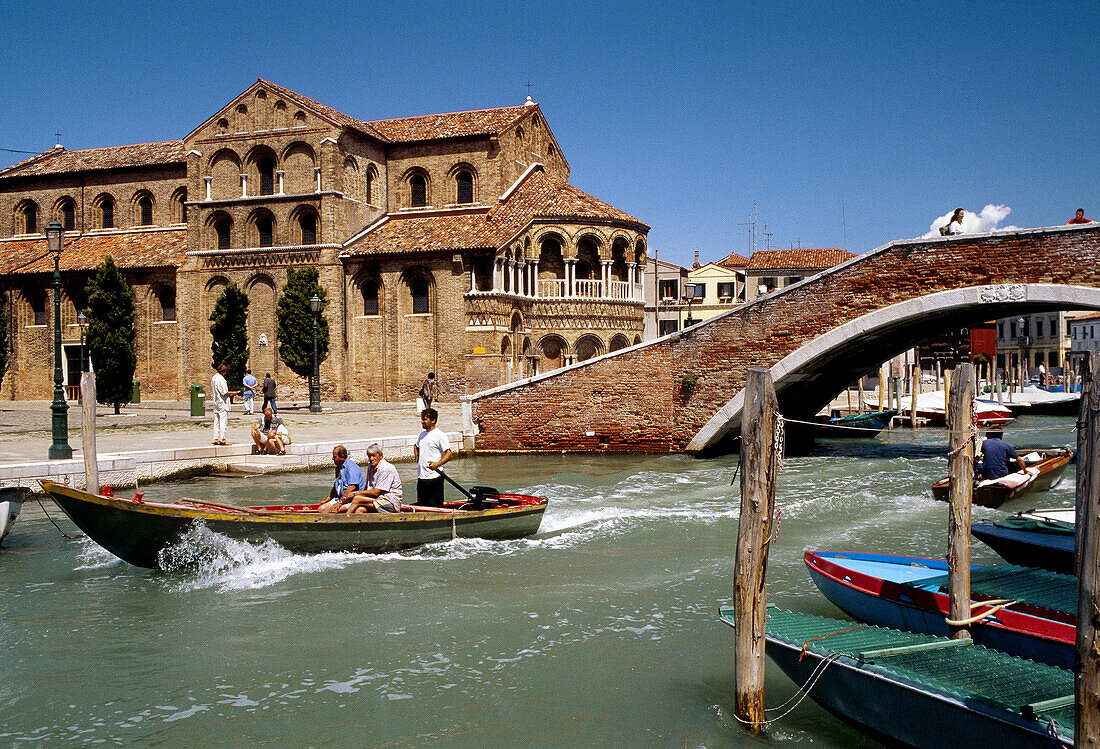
135, 394
198, 401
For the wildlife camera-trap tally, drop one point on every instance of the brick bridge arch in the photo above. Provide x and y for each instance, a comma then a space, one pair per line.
683, 392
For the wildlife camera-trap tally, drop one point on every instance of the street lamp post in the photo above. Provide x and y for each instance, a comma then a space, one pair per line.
82, 321
315, 381
1025, 344
60, 449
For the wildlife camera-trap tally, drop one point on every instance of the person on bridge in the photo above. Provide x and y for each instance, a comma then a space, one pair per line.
955, 225
1079, 218
996, 454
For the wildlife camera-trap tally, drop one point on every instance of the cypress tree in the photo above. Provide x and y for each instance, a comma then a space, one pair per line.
110, 336
229, 328
296, 321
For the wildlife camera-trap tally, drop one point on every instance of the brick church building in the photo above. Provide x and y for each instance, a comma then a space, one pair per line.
450, 243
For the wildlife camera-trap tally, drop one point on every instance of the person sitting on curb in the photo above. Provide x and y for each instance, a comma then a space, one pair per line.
349, 478
270, 434
383, 492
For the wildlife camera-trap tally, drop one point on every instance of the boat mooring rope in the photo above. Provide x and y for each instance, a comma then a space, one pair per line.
801, 693
55, 525
802, 654
996, 604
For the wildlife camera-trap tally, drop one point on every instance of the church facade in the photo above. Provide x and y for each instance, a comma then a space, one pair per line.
450, 243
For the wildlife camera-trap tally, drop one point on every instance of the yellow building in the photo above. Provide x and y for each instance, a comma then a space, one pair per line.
718, 287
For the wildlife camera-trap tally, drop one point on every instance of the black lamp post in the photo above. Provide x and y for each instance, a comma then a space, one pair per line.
1025, 345
315, 381
82, 321
60, 449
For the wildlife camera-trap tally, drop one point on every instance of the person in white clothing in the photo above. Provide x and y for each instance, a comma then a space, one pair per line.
955, 225
219, 397
432, 451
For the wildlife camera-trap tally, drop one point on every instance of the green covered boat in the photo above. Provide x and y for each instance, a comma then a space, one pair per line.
921, 690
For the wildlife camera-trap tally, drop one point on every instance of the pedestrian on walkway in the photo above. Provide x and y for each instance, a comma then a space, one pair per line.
220, 394
428, 390
248, 395
269, 393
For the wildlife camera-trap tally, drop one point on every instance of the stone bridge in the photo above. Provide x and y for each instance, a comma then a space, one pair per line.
684, 392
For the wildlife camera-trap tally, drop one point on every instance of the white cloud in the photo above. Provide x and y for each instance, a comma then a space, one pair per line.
975, 223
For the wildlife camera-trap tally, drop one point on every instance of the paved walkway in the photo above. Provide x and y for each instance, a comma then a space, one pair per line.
152, 441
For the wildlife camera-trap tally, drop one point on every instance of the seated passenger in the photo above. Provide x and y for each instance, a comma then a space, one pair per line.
383, 486
271, 434
996, 454
348, 480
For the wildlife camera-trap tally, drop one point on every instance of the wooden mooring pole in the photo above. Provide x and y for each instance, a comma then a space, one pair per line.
758, 469
914, 391
87, 432
1087, 687
960, 464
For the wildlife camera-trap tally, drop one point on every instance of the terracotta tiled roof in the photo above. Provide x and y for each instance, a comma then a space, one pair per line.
1086, 318
733, 260
804, 259
538, 197
58, 160
451, 125
129, 249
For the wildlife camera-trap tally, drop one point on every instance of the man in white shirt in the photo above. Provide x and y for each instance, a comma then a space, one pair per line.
219, 399
383, 492
432, 451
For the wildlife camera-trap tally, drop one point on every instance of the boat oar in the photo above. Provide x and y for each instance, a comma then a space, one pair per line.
478, 495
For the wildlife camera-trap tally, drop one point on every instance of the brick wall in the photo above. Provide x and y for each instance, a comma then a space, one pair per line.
635, 401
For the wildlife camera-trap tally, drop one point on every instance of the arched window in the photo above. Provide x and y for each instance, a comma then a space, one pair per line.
179, 206
465, 182
368, 187
166, 296
370, 297
223, 126
221, 229
37, 302
419, 289
307, 222
266, 167
107, 213
68, 214
30, 218
418, 191
145, 211
265, 231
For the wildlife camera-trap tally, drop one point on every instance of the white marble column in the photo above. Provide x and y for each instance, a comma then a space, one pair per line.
244, 185
496, 273
279, 176
535, 278
632, 278
317, 174
208, 181
606, 279
473, 278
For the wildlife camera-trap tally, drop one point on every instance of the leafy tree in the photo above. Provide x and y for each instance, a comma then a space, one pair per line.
110, 336
3, 336
229, 328
296, 321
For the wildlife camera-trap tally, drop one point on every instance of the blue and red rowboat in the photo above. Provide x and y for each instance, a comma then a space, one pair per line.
1030, 613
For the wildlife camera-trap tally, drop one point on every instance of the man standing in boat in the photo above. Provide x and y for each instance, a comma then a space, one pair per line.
432, 451
996, 454
349, 478
383, 492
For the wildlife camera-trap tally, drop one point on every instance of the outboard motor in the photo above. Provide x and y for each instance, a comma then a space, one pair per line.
483, 498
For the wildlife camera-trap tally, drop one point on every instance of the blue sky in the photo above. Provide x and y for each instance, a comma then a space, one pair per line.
848, 124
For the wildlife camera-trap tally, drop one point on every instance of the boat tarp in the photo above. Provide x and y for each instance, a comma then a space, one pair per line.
1036, 525
970, 672
1050, 590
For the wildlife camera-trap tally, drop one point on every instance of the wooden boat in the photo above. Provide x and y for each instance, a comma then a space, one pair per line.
930, 407
11, 502
911, 593
1036, 538
857, 425
138, 531
1048, 462
920, 690
1039, 401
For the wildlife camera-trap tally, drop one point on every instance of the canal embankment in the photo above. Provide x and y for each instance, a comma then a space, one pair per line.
151, 442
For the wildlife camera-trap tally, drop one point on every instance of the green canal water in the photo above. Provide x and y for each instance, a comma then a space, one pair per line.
602, 630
